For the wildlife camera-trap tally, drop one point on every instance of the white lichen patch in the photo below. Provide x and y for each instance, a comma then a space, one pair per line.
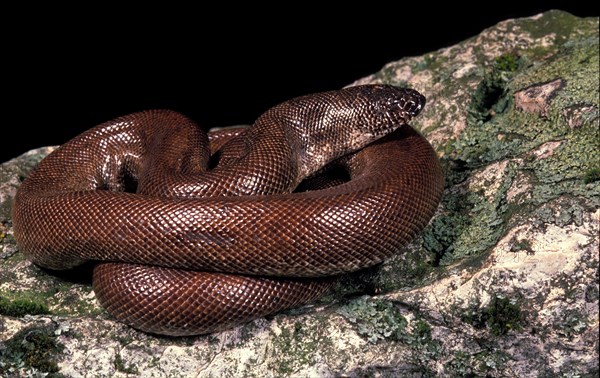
546, 150
465, 70
175, 359
403, 72
422, 82
8, 188
100, 361
551, 252
24, 279
10, 326
488, 180
439, 136
520, 189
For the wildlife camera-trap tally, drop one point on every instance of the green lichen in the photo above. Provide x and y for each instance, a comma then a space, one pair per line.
497, 131
461, 364
444, 230
500, 316
23, 303
591, 176
469, 225
570, 323
562, 211
507, 63
491, 96
425, 347
556, 26
378, 320
483, 363
412, 267
123, 367
375, 319
562, 172
577, 64
65, 293
472, 223
298, 346
592, 293
522, 245
429, 62
33, 350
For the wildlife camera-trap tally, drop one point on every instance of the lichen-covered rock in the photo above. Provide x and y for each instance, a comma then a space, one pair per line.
503, 282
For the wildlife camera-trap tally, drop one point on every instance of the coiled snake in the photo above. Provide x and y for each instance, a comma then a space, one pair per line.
196, 233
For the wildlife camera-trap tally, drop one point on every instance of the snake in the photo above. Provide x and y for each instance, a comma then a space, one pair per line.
192, 232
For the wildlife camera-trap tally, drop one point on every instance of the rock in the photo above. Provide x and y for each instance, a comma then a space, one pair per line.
503, 282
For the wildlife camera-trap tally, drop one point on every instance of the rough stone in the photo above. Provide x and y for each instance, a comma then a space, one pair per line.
502, 283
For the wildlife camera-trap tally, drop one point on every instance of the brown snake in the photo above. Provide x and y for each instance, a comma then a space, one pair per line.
193, 237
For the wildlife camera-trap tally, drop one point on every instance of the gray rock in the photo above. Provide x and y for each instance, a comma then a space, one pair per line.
503, 282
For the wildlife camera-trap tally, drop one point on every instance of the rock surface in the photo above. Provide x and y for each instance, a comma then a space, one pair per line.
502, 283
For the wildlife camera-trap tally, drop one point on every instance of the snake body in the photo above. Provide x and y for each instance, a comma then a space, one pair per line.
195, 233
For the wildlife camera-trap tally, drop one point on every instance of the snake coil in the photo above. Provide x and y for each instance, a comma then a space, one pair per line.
194, 233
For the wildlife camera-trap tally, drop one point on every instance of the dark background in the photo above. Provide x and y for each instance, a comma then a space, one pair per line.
66, 70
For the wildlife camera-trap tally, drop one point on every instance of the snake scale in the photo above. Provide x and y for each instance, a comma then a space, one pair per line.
194, 233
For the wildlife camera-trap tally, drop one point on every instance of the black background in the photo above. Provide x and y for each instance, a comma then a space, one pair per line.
66, 70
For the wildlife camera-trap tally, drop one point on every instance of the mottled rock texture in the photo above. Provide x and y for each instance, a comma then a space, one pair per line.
502, 283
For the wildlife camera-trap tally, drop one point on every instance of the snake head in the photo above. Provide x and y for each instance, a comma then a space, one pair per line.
399, 104
325, 126
410, 102
383, 108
